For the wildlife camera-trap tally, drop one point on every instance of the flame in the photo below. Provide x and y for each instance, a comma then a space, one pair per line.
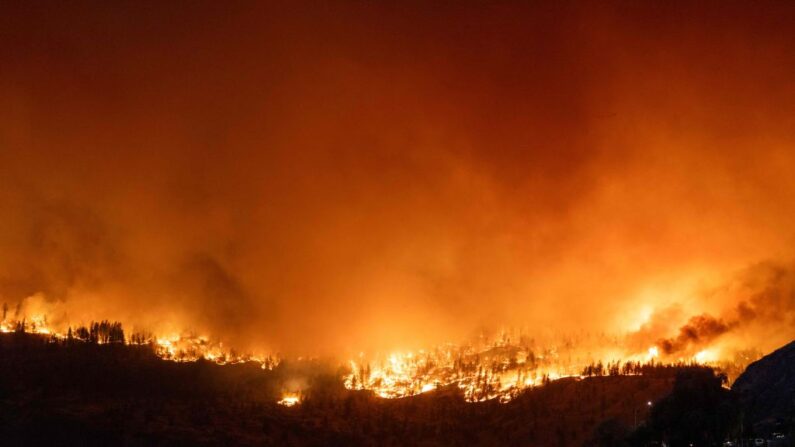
173, 347
490, 369
289, 399
500, 370
706, 356
36, 324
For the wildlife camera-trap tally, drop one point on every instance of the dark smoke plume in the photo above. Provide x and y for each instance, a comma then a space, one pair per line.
699, 330
765, 307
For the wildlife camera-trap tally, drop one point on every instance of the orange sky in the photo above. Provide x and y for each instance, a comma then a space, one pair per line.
353, 176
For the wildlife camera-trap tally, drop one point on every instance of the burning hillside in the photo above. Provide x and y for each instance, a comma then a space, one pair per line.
498, 369
431, 199
493, 366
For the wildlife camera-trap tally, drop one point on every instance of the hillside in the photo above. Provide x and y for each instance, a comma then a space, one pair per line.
105, 394
767, 390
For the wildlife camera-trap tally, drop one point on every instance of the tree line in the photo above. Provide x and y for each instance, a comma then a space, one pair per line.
634, 368
96, 332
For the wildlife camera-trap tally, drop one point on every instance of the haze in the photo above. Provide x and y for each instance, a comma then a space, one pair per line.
327, 178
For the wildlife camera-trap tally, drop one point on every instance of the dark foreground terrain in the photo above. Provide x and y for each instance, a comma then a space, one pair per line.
83, 394
767, 392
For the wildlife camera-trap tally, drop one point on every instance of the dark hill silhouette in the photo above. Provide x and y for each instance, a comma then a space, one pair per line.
767, 391
116, 394
699, 411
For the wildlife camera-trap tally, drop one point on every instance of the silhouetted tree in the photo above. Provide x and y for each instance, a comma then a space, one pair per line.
141, 338
93, 332
82, 334
115, 333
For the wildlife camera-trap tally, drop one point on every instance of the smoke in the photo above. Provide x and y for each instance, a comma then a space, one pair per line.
760, 307
326, 180
699, 331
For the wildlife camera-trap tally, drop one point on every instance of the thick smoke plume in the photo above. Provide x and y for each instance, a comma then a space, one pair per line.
332, 179
698, 331
764, 311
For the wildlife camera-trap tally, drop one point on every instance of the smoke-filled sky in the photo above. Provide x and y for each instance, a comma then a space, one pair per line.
361, 175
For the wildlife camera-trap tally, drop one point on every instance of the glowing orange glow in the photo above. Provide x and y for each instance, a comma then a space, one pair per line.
490, 369
289, 400
706, 356
606, 183
178, 348
496, 370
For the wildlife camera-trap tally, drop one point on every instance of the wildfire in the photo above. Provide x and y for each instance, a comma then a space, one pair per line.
290, 399
498, 369
174, 347
35, 325
502, 369
190, 348
705, 356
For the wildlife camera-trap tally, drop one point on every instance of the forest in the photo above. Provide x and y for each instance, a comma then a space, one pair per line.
93, 392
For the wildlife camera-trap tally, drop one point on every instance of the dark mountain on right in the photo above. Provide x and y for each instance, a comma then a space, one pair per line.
767, 391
